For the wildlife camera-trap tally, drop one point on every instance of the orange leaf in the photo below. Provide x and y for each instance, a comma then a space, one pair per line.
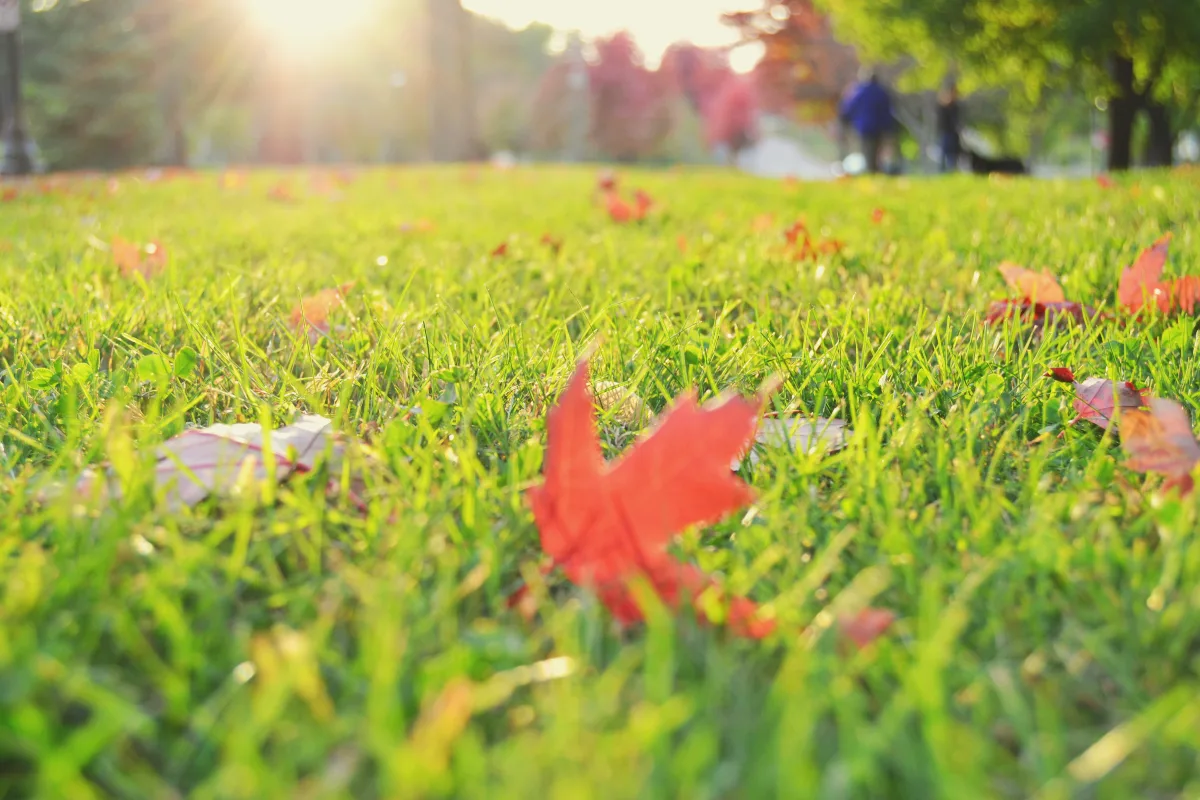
1185, 293
131, 259
282, 192
606, 523
763, 222
1037, 287
1144, 279
315, 309
1160, 440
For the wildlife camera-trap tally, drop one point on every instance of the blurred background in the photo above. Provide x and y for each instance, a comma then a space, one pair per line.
1071, 87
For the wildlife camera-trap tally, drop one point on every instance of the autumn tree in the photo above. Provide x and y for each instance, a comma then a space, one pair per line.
630, 109
727, 103
803, 66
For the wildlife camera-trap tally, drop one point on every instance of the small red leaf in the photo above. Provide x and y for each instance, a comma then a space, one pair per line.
1061, 374
866, 626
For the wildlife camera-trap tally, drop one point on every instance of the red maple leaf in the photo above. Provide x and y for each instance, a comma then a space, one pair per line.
1042, 300
1143, 282
1097, 399
607, 524
1160, 439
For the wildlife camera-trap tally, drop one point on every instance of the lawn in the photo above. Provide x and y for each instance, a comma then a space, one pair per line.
282, 642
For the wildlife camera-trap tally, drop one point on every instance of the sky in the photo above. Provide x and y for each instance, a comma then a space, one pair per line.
697, 21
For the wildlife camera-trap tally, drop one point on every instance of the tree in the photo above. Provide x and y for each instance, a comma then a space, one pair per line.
91, 96
1126, 52
727, 103
630, 104
803, 66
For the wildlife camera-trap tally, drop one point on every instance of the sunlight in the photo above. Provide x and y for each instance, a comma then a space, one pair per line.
308, 24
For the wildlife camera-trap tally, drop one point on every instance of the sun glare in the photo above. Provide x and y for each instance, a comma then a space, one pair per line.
308, 24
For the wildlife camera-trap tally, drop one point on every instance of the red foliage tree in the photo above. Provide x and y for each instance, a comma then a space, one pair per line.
803, 65
630, 104
731, 119
727, 102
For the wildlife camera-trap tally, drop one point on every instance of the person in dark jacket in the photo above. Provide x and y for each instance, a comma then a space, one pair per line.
867, 107
948, 127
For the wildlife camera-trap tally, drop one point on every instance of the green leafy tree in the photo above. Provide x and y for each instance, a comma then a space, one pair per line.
1137, 55
89, 82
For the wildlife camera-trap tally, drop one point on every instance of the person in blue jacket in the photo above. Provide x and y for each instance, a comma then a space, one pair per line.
867, 107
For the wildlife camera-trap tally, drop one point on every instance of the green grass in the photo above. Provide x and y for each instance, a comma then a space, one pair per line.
285, 645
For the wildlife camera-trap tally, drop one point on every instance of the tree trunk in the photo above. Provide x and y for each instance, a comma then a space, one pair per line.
452, 112
1160, 144
1122, 110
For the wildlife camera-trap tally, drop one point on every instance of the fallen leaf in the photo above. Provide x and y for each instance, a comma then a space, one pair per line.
1040, 315
642, 202
763, 223
282, 192
1097, 399
866, 626
313, 311
131, 259
607, 524
219, 458
606, 181
1160, 439
618, 210
420, 226
1037, 287
626, 407
1143, 280
799, 435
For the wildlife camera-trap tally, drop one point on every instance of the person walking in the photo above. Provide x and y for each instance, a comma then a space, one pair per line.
867, 107
948, 127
